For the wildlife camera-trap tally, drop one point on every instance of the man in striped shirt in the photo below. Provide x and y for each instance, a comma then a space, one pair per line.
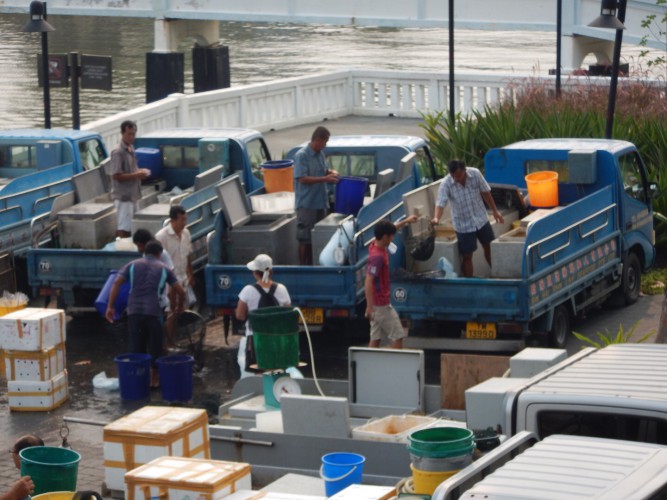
467, 190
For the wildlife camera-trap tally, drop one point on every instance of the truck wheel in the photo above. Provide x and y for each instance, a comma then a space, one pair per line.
560, 329
632, 279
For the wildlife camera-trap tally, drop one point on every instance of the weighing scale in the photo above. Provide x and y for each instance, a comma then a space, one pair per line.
276, 383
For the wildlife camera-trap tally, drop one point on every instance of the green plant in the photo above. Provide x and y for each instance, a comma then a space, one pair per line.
608, 338
653, 282
656, 30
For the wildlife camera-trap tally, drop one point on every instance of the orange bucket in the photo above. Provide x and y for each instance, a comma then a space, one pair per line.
278, 175
543, 189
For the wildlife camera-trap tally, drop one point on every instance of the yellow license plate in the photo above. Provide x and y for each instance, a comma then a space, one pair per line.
313, 315
476, 330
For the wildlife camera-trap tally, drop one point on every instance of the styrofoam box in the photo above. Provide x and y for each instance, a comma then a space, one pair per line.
271, 495
282, 201
365, 492
149, 433
178, 478
394, 428
36, 366
32, 329
38, 396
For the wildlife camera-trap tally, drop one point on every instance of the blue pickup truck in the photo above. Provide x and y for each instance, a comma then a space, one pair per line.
185, 161
551, 264
331, 294
36, 166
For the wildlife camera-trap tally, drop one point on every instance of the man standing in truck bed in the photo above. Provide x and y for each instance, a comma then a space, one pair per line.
126, 179
311, 175
467, 190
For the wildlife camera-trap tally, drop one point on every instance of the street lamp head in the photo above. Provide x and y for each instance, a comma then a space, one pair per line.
607, 18
37, 23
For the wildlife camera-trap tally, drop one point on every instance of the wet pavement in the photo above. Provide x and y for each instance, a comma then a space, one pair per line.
92, 345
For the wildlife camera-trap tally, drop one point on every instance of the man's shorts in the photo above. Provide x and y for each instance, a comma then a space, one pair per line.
468, 241
385, 321
306, 218
125, 210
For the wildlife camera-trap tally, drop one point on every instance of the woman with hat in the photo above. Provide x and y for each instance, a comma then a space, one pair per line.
263, 292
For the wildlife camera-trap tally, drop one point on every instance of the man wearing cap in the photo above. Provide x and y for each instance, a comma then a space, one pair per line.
311, 175
250, 296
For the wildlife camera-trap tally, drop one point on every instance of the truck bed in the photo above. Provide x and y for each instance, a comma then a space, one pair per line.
563, 254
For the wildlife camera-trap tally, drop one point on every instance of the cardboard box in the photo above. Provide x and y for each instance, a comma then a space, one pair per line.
32, 329
178, 478
35, 366
38, 396
150, 433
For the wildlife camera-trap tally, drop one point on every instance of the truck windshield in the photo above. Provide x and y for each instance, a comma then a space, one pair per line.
91, 152
258, 154
644, 429
560, 166
631, 171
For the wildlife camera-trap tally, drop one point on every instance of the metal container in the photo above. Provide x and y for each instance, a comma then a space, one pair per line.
151, 218
323, 231
87, 225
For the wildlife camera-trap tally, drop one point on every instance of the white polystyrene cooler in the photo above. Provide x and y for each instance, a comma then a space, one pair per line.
179, 478
149, 433
394, 428
34, 366
26, 395
32, 329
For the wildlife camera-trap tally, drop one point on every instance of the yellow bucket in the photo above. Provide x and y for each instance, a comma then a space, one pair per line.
425, 482
543, 189
7, 310
55, 495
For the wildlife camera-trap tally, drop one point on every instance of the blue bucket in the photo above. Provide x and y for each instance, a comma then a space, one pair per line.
340, 470
134, 375
102, 299
176, 377
350, 192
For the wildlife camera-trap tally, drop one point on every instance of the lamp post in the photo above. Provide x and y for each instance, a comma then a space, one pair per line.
38, 24
607, 19
452, 114
559, 34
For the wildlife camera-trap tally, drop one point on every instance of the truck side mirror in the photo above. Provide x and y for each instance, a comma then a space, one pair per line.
653, 190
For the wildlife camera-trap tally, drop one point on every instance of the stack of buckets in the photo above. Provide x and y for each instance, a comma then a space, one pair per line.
438, 453
276, 337
278, 175
50, 468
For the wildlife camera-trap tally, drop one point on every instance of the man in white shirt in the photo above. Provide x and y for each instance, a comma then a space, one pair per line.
175, 239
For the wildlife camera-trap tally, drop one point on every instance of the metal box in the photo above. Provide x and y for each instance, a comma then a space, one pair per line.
534, 360
151, 218
87, 225
582, 166
485, 402
323, 231
249, 235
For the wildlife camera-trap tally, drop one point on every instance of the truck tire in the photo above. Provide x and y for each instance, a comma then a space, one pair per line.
561, 328
632, 279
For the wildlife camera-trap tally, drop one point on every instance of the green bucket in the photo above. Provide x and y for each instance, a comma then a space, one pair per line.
276, 337
50, 468
441, 442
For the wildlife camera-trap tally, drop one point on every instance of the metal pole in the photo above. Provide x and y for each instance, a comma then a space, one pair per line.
74, 75
452, 114
613, 85
559, 34
45, 81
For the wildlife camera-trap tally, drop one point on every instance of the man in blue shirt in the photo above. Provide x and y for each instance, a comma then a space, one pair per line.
148, 278
311, 175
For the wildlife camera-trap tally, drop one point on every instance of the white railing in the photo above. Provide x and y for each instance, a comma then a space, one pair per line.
295, 101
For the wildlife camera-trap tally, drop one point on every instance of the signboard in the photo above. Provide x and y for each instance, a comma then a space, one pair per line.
58, 76
96, 72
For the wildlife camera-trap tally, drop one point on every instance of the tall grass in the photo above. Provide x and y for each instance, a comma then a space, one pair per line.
536, 112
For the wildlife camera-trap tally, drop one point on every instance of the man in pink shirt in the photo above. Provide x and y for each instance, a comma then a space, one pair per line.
383, 317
